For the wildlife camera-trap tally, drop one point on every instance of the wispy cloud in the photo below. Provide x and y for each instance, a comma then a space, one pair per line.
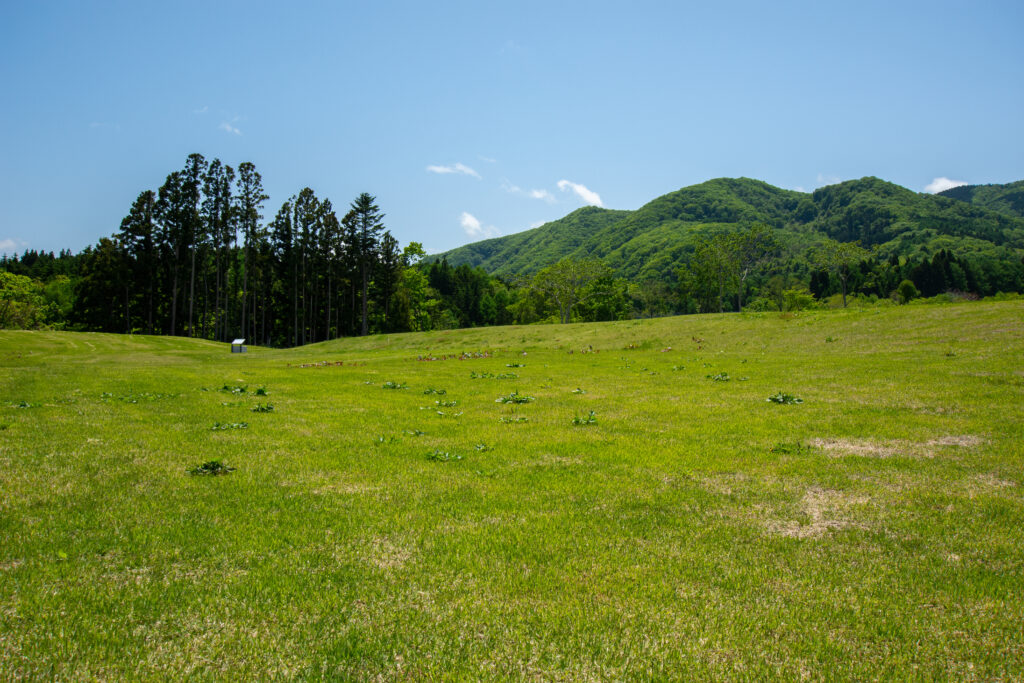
228, 128
824, 179
472, 226
458, 168
9, 245
582, 191
534, 194
201, 110
487, 160
942, 184
537, 224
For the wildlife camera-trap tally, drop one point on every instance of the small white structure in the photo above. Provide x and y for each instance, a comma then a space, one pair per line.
238, 346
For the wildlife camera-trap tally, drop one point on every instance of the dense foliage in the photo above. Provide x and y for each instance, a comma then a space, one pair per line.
196, 258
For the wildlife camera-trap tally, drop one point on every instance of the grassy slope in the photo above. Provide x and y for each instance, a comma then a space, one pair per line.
674, 538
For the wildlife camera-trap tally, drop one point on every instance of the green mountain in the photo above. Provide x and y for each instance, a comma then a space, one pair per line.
653, 240
1006, 199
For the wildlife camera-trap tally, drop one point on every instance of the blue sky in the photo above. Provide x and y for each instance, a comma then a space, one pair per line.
472, 119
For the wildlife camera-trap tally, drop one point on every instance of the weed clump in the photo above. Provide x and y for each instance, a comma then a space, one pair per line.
443, 456
720, 377
394, 385
222, 426
590, 419
513, 420
211, 468
263, 408
784, 398
234, 390
439, 392
514, 397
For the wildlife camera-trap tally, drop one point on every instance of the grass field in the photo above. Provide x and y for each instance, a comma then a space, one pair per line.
687, 528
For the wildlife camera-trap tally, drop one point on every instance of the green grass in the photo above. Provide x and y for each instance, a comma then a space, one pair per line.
696, 530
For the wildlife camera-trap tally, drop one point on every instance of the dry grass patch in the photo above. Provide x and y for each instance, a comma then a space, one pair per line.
826, 509
867, 448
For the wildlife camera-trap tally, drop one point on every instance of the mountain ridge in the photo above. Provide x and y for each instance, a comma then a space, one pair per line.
649, 242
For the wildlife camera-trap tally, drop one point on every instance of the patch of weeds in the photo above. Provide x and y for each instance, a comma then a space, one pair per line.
234, 390
480, 375
134, 398
787, 448
263, 408
590, 419
443, 456
720, 377
447, 404
677, 368
212, 468
784, 398
507, 375
515, 419
414, 432
951, 354
394, 385
514, 365
482, 447
4, 426
262, 391
441, 413
439, 392
383, 438
23, 404
742, 379
829, 340
577, 390
514, 397
222, 426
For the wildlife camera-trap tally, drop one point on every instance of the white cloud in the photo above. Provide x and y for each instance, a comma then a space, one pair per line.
201, 110
471, 224
488, 160
510, 188
537, 224
533, 194
582, 191
228, 128
827, 180
545, 195
457, 168
798, 188
941, 184
9, 245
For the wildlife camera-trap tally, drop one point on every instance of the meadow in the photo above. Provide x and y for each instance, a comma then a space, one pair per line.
611, 501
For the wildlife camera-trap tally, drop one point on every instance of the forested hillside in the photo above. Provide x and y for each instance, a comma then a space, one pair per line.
654, 240
1007, 199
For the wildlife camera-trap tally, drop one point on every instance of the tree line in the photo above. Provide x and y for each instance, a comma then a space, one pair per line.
196, 257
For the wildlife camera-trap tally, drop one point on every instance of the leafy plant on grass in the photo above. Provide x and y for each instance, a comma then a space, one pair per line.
222, 426
383, 438
482, 447
720, 377
439, 392
24, 404
262, 391
514, 397
506, 375
234, 390
261, 408
513, 419
515, 365
577, 390
211, 468
784, 398
447, 404
414, 432
480, 375
590, 419
394, 385
443, 456
789, 447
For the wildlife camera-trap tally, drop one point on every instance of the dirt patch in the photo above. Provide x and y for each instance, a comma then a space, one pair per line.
382, 553
981, 483
867, 448
827, 510
963, 441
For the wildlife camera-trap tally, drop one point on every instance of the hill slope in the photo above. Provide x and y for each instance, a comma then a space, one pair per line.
1007, 199
652, 240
